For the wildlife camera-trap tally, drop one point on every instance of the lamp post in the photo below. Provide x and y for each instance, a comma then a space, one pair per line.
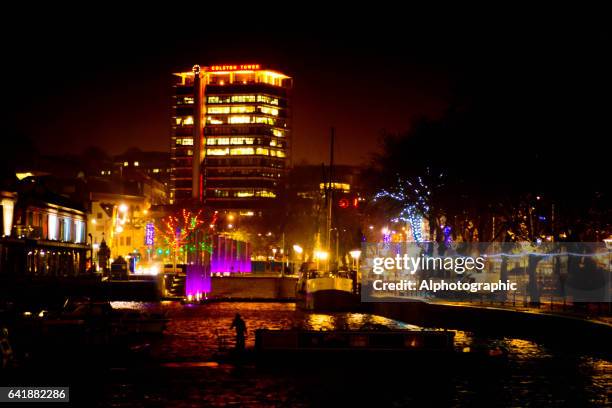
356, 254
298, 250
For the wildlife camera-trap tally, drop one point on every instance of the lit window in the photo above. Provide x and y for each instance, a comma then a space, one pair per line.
262, 151
268, 121
268, 111
241, 151
277, 133
79, 231
219, 109
52, 227
67, 229
265, 193
280, 153
239, 119
243, 109
214, 99
125, 164
188, 141
182, 121
217, 152
344, 187
214, 121
136, 164
243, 98
272, 142
155, 170
218, 141
244, 193
241, 140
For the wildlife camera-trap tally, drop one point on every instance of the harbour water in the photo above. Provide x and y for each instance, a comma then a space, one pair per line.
180, 369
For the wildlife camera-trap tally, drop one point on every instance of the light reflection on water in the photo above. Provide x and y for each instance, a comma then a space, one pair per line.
533, 374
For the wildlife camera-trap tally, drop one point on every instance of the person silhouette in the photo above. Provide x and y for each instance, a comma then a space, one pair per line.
241, 331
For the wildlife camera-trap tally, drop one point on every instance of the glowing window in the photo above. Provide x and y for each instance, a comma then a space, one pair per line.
217, 152
245, 193
218, 141
243, 109
265, 193
262, 151
277, 133
344, 187
272, 142
242, 140
182, 121
79, 231
268, 111
241, 151
243, 98
185, 141
52, 226
186, 100
219, 109
136, 164
67, 229
239, 119
280, 153
268, 121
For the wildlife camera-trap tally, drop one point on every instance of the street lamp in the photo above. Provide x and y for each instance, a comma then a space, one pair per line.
356, 254
322, 255
298, 249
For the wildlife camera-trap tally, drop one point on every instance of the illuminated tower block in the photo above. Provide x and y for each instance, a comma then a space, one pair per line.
245, 135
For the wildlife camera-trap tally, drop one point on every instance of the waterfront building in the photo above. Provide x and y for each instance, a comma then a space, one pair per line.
235, 120
43, 234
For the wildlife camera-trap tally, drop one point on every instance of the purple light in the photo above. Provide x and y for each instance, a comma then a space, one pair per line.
230, 256
197, 282
149, 234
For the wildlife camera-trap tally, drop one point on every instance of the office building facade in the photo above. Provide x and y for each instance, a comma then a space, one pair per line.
231, 136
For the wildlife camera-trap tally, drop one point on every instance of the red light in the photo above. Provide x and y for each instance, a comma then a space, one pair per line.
355, 202
241, 67
343, 203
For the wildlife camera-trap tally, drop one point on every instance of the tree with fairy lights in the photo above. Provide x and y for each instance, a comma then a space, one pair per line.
184, 233
411, 198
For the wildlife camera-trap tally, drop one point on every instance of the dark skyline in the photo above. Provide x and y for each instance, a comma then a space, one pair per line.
109, 86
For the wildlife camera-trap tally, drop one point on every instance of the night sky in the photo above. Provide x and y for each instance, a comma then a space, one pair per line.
108, 83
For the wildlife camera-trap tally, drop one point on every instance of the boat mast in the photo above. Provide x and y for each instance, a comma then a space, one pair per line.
330, 198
